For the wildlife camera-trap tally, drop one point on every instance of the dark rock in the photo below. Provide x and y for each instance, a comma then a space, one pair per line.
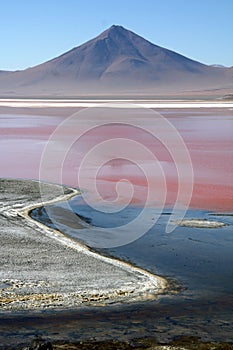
40, 344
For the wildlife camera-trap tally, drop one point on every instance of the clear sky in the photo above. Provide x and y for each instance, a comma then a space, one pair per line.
34, 31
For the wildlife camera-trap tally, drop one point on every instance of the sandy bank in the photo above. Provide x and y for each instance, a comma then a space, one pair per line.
41, 268
200, 223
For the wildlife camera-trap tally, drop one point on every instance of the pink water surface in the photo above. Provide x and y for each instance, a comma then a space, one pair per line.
208, 135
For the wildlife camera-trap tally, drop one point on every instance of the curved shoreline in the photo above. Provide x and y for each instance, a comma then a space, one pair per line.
25, 212
134, 284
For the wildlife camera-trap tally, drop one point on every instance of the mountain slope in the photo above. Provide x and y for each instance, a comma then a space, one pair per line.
116, 61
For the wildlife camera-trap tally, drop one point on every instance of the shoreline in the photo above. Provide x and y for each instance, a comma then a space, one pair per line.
145, 284
56, 234
88, 103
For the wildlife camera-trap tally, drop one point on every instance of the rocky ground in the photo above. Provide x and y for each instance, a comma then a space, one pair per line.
181, 343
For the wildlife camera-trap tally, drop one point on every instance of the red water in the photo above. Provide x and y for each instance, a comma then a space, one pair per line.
208, 135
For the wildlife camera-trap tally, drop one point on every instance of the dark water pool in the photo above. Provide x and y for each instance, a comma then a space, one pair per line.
199, 260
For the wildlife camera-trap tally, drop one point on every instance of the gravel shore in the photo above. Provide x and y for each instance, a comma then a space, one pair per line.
43, 269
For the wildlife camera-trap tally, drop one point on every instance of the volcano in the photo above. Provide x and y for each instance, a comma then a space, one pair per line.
117, 62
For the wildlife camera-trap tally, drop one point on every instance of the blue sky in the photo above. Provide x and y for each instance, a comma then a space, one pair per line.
34, 31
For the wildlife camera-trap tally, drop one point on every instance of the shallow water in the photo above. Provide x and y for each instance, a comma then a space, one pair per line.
198, 262
206, 132
199, 259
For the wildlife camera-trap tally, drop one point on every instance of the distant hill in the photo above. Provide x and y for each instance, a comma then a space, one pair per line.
117, 61
217, 65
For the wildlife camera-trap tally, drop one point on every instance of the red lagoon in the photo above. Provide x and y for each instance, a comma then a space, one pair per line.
207, 134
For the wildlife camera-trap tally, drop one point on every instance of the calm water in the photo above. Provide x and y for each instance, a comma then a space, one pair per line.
207, 134
198, 261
